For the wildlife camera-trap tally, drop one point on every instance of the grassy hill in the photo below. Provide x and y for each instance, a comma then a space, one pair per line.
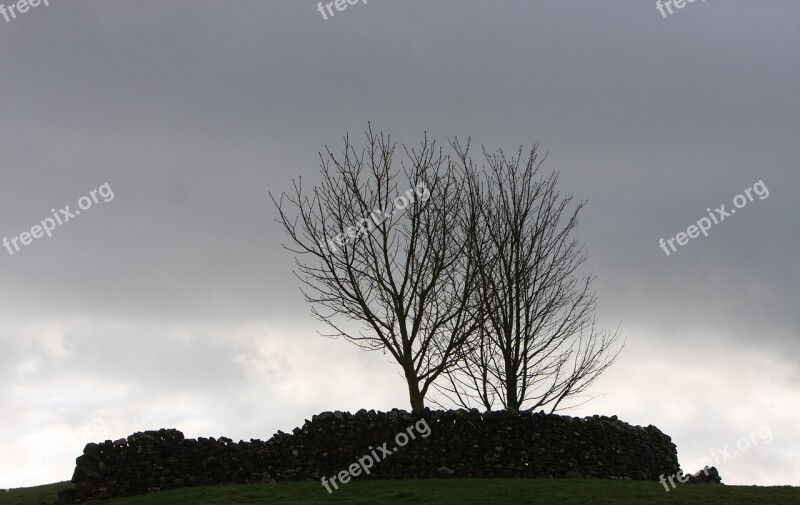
444, 492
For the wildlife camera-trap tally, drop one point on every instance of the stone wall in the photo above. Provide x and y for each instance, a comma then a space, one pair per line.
460, 443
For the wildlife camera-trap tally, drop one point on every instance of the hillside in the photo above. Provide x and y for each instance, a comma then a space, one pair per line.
445, 492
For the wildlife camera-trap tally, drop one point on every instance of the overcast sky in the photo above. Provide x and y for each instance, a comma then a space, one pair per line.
173, 303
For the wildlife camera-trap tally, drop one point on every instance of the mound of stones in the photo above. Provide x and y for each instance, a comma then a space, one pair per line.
708, 475
456, 443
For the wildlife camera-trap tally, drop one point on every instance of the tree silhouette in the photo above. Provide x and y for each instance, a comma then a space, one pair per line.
538, 344
396, 262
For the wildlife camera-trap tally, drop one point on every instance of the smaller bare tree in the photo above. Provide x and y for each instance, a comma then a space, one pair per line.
400, 270
538, 344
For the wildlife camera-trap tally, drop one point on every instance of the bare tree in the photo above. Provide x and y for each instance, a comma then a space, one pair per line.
538, 344
397, 263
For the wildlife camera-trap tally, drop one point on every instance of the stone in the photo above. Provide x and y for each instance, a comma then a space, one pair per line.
708, 475
322, 416
464, 443
444, 472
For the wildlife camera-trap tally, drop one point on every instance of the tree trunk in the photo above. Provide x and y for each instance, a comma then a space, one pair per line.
414, 393
512, 402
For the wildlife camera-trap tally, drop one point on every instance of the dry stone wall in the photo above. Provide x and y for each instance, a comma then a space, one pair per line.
459, 443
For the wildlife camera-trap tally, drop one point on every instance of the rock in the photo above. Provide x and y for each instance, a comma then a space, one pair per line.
444, 472
85, 488
524, 445
91, 449
322, 416
708, 475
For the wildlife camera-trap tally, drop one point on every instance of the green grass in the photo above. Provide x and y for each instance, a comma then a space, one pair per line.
445, 492
32, 495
